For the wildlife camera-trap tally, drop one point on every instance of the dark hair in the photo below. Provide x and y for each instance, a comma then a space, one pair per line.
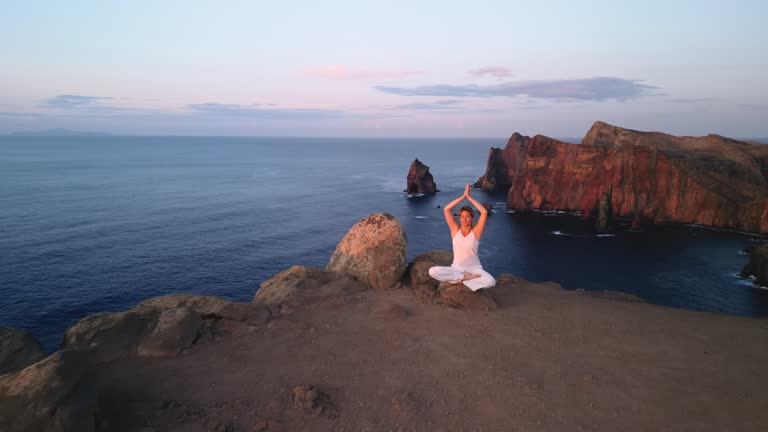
467, 209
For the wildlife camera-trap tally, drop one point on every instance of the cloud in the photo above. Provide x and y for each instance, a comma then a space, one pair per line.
690, 100
496, 71
753, 107
342, 72
587, 89
72, 101
90, 105
531, 107
450, 104
18, 114
252, 112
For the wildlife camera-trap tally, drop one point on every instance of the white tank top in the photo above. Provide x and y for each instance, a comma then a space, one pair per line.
465, 250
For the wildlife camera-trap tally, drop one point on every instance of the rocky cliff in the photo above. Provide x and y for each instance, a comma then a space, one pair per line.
650, 176
419, 179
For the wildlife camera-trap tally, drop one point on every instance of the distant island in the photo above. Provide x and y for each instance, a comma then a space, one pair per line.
58, 132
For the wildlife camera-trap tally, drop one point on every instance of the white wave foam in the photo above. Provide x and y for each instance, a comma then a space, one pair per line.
560, 233
421, 217
605, 235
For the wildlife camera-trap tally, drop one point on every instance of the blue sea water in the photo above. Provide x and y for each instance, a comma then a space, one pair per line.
92, 224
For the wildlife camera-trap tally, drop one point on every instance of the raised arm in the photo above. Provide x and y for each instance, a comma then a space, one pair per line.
447, 212
480, 225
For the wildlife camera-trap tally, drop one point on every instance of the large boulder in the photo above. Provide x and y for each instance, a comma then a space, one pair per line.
373, 251
439, 257
52, 395
422, 284
418, 278
18, 349
419, 179
301, 285
418, 274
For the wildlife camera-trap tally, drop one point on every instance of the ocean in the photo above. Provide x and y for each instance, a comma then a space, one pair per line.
95, 224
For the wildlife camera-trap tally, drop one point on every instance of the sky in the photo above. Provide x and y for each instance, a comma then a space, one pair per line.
384, 69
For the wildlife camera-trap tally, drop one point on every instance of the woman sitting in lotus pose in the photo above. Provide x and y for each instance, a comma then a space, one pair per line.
466, 268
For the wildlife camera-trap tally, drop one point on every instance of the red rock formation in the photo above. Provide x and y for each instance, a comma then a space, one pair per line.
651, 176
419, 179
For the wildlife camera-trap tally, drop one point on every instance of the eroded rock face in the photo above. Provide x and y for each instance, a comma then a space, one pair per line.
209, 307
460, 297
18, 349
50, 395
612, 295
419, 179
651, 176
160, 326
175, 330
313, 401
373, 251
109, 336
302, 285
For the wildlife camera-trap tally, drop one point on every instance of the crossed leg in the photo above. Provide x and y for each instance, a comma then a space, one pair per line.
475, 279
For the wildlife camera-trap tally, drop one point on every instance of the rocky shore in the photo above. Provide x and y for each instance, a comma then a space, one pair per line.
371, 343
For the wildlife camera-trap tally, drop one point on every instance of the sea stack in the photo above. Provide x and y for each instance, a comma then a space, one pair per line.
651, 177
757, 267
419, 179
604, 217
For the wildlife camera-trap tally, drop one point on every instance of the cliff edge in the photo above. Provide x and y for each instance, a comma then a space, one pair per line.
334, 350
650, 176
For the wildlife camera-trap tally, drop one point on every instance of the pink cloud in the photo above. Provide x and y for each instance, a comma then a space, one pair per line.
342, 72
496, 71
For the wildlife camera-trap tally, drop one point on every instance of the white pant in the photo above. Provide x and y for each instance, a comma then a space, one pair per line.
455, 273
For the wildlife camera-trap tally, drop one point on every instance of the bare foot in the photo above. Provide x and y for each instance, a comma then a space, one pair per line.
470, 276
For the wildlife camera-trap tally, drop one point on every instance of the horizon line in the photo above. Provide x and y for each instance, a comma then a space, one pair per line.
84, 134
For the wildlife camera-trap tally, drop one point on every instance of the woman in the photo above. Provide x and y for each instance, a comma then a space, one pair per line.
466, 268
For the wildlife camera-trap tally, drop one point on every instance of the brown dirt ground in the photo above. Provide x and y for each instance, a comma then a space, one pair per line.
547, 360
